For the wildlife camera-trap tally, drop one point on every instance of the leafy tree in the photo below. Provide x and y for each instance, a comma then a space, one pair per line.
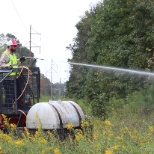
79, 49
119, 34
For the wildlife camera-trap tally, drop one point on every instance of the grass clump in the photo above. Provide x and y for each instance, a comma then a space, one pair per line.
129, 128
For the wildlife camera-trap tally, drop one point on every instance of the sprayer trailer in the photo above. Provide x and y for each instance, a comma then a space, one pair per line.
19, 101
19, 90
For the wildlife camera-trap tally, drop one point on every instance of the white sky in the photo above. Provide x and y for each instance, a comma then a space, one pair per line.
55, 20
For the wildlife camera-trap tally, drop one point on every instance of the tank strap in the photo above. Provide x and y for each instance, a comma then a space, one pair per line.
59, 116
77, 113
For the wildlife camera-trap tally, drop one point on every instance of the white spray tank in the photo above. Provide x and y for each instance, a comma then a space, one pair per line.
54, 115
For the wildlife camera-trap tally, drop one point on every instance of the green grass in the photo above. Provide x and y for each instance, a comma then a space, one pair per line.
129, 129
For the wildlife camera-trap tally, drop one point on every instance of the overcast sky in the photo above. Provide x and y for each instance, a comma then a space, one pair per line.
55, 20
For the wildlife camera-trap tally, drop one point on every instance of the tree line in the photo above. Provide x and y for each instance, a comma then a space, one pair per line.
117, 33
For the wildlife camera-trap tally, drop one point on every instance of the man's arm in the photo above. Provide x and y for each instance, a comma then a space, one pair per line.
4, 60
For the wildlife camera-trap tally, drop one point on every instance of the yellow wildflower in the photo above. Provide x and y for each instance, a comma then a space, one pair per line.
151, 128
27, 132
135, 131
4, 116
23, 135
69, 126
143, 141
89, 140
56, 151
5, 120
119, 138
42, 140
149, 135
38, 132
107, 122
19, 142
79, 136
13, 126
115, 147
108, 152
84, 124
79, 131
5, 137
1, 151
134, 137
95, 136
110, 133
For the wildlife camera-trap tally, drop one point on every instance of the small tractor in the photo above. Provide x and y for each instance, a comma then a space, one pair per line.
19, 102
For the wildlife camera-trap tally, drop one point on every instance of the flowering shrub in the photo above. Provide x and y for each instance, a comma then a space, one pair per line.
108, 137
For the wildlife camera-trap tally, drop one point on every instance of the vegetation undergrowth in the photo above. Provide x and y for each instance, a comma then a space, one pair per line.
128, 129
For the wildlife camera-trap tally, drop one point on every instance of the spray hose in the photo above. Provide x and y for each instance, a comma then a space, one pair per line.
29, 73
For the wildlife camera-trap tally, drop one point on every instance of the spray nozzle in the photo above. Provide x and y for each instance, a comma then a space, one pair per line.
34, 58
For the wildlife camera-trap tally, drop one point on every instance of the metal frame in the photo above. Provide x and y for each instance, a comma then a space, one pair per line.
11, 86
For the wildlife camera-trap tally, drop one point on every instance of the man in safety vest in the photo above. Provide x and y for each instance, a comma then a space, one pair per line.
9, 60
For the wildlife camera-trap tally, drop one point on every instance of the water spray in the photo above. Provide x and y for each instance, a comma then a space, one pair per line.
114, 68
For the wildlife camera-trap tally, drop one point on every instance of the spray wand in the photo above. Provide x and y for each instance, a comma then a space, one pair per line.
33, 58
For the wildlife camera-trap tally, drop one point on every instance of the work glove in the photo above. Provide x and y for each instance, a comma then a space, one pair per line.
22, 59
